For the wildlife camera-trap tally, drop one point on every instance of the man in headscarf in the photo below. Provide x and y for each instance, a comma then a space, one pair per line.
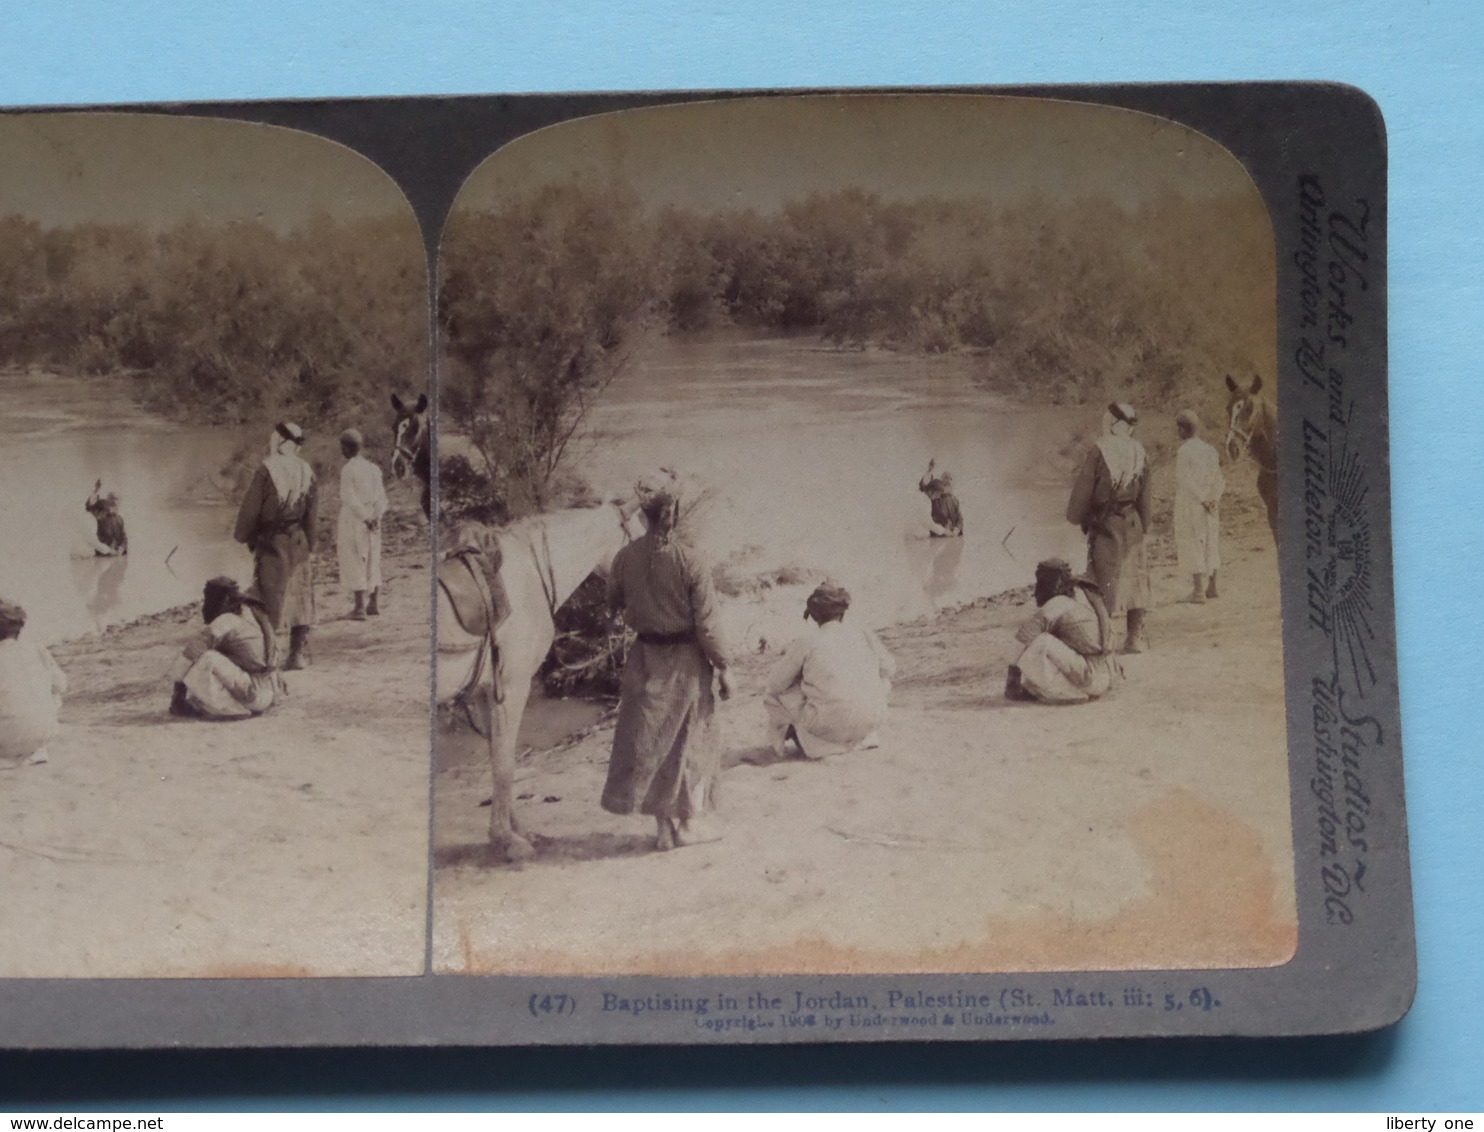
1068, 655
227, 670
1110, 502
1199, 485
358, 537
665, 759
31, 687
109, 524
828, 690
277, 521
944, 504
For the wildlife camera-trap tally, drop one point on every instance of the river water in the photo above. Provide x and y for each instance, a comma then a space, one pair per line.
57, 436
811, 457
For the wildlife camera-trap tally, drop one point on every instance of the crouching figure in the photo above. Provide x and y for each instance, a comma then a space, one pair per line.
828, 691
1067, 658
31, 687
229, 670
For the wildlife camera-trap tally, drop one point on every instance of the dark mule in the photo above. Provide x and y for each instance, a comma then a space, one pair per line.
1252, 426
410, 448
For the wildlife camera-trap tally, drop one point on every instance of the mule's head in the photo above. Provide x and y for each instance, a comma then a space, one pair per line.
409, 433
1243, 414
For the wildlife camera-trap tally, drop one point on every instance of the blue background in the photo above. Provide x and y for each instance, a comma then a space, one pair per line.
1424, 64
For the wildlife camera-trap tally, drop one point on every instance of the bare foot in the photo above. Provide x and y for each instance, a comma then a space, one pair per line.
699, 831
664, 838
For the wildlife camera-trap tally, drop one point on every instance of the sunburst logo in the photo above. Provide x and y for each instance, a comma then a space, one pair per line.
1347, 575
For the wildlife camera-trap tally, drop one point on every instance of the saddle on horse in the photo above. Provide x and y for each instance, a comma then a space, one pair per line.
470, 576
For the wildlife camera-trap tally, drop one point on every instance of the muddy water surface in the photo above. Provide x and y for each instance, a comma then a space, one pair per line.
57, 437
813, 456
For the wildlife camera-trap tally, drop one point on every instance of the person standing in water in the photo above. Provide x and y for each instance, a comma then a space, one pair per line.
277, 522
1199, 485
358, 536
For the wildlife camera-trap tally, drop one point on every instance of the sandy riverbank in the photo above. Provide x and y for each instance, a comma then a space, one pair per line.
1150, 829
291, 844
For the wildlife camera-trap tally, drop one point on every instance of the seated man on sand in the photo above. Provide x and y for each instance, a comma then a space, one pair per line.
229, 670
31, 687
829, 689
1067, 659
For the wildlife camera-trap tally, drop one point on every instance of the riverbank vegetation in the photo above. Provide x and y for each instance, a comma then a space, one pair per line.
232, 323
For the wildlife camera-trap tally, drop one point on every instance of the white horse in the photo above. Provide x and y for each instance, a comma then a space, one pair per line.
544, 559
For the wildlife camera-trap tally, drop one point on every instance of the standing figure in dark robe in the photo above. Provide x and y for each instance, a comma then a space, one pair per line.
277, 522
945, 511
665, 760
1110, 502
110, 524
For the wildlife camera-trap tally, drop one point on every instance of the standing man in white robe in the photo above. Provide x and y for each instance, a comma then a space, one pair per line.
358, 538
1199, 485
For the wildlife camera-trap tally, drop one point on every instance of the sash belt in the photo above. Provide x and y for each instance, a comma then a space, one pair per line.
685, 637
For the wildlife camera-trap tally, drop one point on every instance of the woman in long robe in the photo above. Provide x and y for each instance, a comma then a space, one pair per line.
1110, 502
277, 521
665, 760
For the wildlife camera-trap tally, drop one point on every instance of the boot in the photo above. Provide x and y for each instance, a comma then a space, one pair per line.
1198, 594
1211, 589
372, 608
298, 649
359, 612
1135, 640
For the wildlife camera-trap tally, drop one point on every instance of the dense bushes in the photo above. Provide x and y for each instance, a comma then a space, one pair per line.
1060, 299
225, 323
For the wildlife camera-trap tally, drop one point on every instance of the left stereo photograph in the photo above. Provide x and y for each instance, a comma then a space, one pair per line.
215, 639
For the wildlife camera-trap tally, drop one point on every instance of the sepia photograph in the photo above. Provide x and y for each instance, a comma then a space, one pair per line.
215, 594
856, 523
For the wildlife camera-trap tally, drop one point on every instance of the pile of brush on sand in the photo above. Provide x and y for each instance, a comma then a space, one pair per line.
1146, 830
